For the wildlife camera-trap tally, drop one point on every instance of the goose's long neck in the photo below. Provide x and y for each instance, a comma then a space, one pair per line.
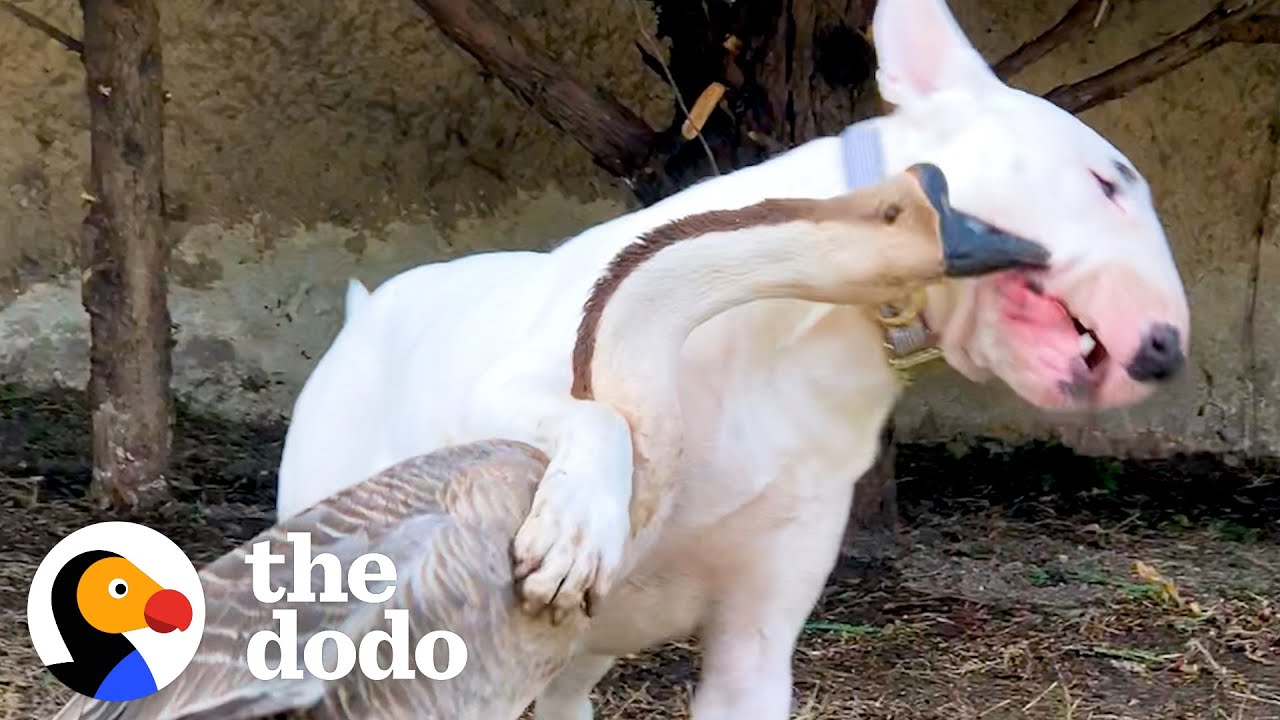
658, 290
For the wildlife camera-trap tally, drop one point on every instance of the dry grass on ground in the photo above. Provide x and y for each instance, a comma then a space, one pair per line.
1031, 585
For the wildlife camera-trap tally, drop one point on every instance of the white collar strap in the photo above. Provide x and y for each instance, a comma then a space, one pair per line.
907, 338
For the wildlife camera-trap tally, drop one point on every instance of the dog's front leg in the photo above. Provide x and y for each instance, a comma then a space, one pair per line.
570, 547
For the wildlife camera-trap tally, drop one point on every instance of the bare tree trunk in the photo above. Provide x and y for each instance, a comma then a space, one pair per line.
124, 254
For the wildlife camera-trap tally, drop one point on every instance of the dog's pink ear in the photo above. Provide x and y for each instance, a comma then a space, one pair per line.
920, 50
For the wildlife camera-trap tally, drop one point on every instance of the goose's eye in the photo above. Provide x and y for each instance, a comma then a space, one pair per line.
1108, 188
118, 588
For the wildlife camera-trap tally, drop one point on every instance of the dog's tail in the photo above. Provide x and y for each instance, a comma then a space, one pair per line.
357, 298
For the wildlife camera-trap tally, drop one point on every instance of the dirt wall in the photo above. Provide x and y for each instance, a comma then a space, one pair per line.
312, 141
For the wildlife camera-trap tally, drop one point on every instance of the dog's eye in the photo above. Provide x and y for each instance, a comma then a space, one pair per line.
1127, 173
1108, 188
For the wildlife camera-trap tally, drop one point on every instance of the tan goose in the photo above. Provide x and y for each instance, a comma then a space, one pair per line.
447, 519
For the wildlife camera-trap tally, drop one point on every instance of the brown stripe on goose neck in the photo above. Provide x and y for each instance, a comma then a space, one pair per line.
768, 212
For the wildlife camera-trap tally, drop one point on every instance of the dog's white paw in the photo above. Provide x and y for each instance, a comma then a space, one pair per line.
568, 550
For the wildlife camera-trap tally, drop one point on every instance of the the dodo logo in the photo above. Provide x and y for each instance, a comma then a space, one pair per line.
116, 611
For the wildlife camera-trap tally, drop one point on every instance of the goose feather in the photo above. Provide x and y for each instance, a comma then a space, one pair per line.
446, 521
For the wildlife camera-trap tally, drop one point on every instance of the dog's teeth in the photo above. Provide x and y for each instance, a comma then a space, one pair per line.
1087, 343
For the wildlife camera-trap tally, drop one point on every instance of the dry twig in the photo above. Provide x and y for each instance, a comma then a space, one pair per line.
1253, 698
1036, 701
654, 51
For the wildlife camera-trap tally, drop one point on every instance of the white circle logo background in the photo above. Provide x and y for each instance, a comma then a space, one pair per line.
167, 655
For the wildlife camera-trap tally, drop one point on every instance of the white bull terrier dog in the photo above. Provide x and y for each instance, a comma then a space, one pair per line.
782, 401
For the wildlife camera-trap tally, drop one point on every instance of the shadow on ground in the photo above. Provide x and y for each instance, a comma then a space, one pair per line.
1032, 583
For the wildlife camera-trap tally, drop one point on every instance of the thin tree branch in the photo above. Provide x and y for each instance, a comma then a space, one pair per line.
1072, 25
1256, 30
1212, 31
671, 80
37, 23
618, 139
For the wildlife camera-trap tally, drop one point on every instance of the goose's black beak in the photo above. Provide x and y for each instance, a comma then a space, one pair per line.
969, 245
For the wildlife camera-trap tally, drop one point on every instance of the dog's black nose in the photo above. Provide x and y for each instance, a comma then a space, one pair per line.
1159, 357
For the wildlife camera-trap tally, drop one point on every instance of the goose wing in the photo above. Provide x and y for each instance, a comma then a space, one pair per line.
446, 520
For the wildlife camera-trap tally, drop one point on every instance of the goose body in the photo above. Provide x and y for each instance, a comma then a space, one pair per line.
446, 521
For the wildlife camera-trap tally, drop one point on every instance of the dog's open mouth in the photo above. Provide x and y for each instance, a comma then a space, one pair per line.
1093, 353
1091, 349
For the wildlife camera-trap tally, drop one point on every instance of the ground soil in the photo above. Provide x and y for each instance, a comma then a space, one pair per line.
1032, 583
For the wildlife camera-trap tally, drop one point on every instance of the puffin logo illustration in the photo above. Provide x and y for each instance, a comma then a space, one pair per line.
116, 611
